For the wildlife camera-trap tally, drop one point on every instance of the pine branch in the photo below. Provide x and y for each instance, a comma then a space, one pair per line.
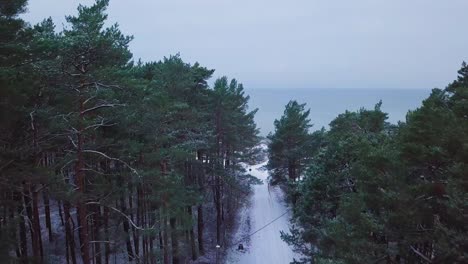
99, 107
121, 213
111, 158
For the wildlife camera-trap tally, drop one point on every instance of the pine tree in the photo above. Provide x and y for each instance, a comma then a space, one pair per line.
123, 151
289, 145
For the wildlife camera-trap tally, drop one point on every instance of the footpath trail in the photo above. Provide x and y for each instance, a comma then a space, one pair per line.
261, 221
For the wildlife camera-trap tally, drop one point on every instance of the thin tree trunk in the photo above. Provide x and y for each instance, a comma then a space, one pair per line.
126, 228
161, 243
106, 231
192, 235
97, 228
200, 230
142, 208
12, 232
200, 223
218, 209
22, 228
69, 231
29, 213
37, 239
60, 212
165, 242
45, 196
174, 241
136, 239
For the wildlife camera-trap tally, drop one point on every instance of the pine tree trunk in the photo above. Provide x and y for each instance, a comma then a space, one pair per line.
22, 229
200, 230
97, 228
81, 182
69, 232
218, 209
60, 212
152, 222
143, 223
220, 164
165, 242
12, 231
161, 242
126, 228
45, 195
37, 239
192, 235
83, 232
174, 241
29, 213
106, 231
136, 237
67, 247
200, 223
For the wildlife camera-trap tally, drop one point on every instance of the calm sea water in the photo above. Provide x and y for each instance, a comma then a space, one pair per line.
326, 104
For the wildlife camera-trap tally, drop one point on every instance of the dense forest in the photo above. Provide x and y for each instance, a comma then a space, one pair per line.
108, 160
367, 191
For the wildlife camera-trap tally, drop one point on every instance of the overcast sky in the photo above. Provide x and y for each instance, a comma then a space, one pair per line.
296, 43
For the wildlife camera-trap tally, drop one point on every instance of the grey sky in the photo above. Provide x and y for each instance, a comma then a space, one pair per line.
297, 43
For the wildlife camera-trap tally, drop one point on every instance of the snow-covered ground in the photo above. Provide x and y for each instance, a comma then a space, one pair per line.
265, 246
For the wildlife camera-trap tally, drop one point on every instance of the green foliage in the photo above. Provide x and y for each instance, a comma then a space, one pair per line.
143, 138
377, 193
289, 146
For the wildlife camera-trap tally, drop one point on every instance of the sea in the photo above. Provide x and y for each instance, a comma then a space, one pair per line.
326, 104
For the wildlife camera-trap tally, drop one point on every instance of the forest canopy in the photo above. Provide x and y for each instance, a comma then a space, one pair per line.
375, 192
102, 158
